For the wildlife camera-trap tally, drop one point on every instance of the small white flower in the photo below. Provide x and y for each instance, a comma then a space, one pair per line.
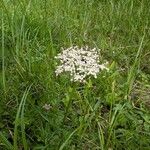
47, 106
79, 62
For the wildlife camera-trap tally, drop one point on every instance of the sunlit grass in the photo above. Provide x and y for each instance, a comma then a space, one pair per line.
109, 112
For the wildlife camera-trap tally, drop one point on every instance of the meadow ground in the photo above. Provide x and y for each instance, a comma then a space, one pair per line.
111, 112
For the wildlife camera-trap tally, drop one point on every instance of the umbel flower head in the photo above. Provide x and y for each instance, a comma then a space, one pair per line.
80, 63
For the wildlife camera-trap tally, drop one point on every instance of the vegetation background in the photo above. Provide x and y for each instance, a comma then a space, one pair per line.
110, 112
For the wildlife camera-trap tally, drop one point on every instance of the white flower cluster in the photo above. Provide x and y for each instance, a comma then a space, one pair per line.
79, 62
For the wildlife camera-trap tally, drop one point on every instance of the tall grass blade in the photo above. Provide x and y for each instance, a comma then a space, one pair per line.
133, 70
101, 136
116, 113
3, 55
20, 116
65, 143
4, 141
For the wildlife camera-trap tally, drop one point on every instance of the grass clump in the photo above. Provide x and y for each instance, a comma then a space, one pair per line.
41, 111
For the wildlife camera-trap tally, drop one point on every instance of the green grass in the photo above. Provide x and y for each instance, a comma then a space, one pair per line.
110, 112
